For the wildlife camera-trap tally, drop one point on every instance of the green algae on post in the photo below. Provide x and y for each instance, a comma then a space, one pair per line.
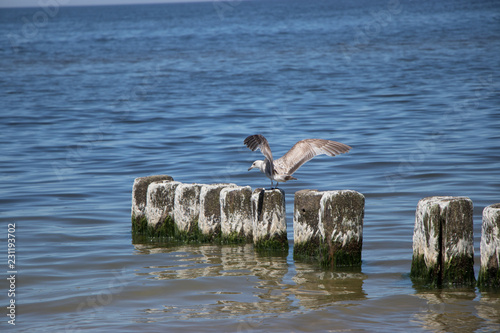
162, 229
275, 242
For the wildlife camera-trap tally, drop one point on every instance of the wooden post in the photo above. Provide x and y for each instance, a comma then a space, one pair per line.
342, 214
139, 195
269, 219
307, 238
489, 274
187, 208
160, 201
328, 227
209, 221
443, 251
236, 213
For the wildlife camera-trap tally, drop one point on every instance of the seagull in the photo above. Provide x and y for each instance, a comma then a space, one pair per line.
282, 169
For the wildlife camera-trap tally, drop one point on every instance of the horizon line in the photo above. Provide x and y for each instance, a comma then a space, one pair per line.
95, 3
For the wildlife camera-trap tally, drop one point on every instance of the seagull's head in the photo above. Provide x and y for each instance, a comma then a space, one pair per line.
257, 164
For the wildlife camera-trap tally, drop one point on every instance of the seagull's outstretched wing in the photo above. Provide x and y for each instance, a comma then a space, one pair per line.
305, 150
258, 141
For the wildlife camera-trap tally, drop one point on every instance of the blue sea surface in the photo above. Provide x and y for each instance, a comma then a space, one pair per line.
93, 97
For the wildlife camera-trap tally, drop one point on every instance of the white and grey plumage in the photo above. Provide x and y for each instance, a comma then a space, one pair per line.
282, 169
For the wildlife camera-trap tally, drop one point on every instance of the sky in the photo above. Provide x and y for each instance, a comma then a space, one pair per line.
51, 3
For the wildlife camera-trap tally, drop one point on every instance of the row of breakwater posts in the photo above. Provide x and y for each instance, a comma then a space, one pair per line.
327, 226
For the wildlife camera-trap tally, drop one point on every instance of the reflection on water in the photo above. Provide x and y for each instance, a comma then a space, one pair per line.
212, 282
450, 310
489, 309
247, 282
316, 288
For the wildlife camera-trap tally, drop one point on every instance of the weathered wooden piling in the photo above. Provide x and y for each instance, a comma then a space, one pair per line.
187, 208
328, 227
443, 251
489, 273
139, 195
209, 221
160, 201
307, 237
269, 219
236, 213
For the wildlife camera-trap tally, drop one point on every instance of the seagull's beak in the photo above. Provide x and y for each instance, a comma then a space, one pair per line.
250, 168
